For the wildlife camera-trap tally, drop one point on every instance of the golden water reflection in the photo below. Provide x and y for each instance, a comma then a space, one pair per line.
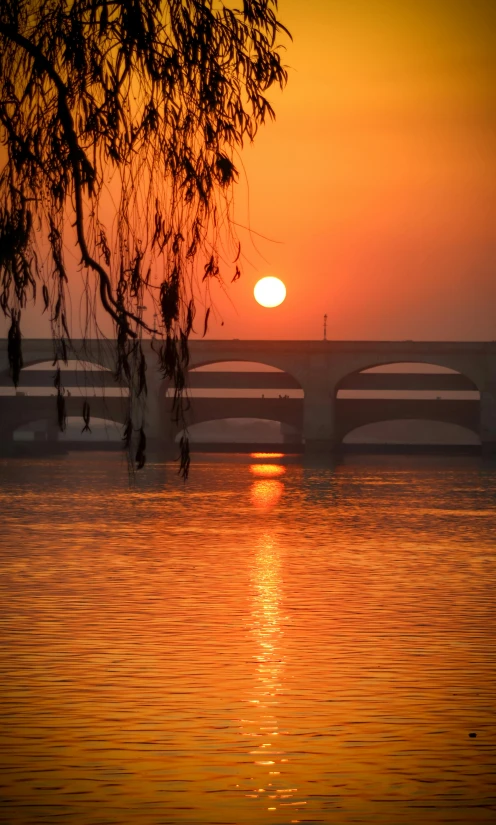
263, 724
222, 652
268, 470
265, 493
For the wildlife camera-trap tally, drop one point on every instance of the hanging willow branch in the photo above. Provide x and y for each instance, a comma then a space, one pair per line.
121, 122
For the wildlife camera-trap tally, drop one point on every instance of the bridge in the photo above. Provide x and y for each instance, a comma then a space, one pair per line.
324, 373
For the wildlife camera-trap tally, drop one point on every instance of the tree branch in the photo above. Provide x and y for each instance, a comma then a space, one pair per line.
76, 154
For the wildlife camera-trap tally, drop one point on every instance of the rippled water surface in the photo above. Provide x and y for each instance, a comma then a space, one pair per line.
270, 643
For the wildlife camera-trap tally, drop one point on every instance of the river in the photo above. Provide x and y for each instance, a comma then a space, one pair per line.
268, 643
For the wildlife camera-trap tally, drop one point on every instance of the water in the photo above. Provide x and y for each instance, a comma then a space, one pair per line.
269, 644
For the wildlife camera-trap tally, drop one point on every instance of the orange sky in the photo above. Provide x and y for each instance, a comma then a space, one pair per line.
377, 181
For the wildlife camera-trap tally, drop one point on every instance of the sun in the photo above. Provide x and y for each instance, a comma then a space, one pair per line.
270, 291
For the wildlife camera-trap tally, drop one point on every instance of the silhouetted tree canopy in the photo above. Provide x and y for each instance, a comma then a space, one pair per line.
121, 122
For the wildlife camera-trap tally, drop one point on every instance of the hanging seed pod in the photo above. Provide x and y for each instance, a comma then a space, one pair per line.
86, 417
14, 349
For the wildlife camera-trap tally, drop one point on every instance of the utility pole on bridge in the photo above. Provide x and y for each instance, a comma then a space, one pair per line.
325, 327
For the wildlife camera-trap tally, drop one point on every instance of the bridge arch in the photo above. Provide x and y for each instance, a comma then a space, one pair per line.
18, 411
100, 353
238, 430
275, 355
74, 374
413, 368
454, 362
288, 412
399, 390
242, 374
102, 430
240, 389
415, 433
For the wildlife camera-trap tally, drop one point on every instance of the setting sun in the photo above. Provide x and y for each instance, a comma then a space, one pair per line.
270, 292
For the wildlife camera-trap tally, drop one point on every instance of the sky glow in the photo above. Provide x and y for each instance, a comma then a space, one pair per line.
376, 182
372, 195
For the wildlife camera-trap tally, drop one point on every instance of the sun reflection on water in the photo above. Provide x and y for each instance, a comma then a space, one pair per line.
265, 493
262, 726
267, 470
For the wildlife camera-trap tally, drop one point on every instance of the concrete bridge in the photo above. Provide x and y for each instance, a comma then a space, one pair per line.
320, 369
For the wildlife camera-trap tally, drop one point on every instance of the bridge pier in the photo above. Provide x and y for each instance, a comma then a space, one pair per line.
159, 428
289, 434
488, 418
52, 431
319, 418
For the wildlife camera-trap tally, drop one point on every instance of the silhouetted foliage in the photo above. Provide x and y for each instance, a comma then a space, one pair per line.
122, 121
